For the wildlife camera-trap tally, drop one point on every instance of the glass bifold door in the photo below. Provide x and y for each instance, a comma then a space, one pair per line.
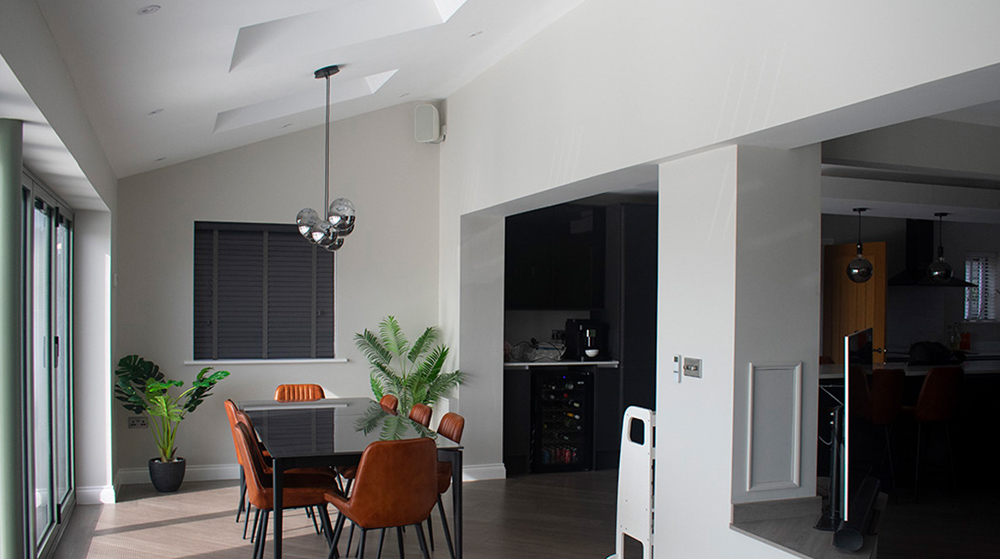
48, 376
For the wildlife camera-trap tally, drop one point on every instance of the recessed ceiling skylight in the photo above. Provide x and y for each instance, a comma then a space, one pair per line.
283, 107
349, 23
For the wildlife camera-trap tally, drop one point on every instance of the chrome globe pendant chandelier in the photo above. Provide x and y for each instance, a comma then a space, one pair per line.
860, 269
328, 232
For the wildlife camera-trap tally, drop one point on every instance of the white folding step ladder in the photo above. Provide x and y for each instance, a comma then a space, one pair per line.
635, 481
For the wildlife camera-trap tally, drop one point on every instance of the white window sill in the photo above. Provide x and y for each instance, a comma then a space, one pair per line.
227, 362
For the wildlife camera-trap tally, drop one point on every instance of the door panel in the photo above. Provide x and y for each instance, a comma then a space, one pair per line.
848, 306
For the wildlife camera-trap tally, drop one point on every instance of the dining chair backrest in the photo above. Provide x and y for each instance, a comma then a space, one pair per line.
298, 393
231, 411
939, 394
421, 413
886, 395
390, 404
396, 484
253, 468
255, 455
451, 427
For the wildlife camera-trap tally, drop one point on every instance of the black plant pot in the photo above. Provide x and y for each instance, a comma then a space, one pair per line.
166, 476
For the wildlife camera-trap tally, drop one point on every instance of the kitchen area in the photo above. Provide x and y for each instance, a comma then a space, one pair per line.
924, 324
579, 330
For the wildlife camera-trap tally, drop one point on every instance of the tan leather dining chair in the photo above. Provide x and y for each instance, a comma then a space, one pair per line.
300, 490
396, 486
421, 413
299, 393
451, 427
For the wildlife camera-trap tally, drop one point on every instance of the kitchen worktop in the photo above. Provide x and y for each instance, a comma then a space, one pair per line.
970, 367
530, 364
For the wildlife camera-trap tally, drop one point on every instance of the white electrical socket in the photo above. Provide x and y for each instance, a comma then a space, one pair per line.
137, 422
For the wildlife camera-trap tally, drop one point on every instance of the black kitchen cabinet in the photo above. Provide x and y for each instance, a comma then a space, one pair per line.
555, 258
517, 421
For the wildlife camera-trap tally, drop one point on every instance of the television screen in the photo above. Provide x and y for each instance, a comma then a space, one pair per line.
848, 446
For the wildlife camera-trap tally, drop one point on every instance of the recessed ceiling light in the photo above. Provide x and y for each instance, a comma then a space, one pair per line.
150, 9
475, 34
155, 112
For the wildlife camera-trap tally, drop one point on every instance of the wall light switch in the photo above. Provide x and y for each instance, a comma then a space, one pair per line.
692, 367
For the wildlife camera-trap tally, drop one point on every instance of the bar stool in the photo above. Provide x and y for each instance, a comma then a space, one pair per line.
936, 404
886, 405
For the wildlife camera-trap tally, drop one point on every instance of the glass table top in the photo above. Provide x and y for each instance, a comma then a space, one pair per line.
325, 427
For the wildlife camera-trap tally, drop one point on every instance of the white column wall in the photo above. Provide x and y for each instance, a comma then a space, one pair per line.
92, 351
778, 302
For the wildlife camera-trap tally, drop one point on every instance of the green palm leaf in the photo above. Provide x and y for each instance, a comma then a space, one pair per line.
392, 336
424, 342
369, 344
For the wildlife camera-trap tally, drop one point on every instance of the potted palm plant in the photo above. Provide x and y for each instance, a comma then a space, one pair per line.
411, 372
143, 389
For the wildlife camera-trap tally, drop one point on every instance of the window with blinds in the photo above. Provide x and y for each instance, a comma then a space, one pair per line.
261, 292
980, 301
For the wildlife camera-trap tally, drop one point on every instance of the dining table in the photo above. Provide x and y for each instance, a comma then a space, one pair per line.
325, 433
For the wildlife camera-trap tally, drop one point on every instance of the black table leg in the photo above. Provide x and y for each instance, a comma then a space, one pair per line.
454, 456
278, 484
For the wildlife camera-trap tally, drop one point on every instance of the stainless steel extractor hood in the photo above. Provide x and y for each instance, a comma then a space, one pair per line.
920, 250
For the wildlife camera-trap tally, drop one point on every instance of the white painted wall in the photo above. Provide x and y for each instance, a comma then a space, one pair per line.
389, 264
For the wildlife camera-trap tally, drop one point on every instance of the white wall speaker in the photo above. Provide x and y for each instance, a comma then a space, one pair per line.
427, 124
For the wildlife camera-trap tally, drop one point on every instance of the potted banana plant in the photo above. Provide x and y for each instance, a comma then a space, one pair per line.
143, 389
411, 372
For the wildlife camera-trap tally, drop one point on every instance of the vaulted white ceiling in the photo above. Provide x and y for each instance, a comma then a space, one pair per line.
164, 81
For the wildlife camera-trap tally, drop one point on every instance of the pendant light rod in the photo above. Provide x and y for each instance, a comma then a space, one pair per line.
860, 269
859, 210
325, 73
940, 216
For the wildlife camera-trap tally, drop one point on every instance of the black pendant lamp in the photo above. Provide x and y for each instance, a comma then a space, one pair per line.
940, 270
329, 231
860, 269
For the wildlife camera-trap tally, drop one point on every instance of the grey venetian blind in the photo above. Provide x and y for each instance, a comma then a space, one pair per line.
260, 292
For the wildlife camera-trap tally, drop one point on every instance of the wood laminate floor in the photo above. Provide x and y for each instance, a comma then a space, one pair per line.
552, 516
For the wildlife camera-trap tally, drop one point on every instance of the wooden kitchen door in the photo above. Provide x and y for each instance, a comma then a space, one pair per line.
848, 306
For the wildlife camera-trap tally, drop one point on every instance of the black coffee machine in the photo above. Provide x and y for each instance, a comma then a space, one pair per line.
584, 340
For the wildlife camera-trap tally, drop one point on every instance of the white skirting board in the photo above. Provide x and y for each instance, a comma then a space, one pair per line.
95, 495
481, 472
217, 472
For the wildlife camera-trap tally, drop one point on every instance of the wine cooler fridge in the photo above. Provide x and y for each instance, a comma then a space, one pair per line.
562, 421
